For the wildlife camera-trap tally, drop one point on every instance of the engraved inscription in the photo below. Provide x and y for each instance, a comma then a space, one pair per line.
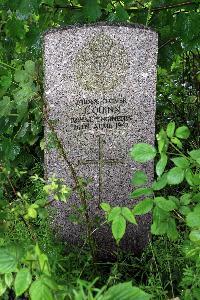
101, 64
96, 114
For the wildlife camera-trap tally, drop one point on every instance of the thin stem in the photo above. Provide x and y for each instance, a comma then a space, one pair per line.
182, 154
6, 65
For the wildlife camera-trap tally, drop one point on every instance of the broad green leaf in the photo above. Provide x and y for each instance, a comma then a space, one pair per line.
20, 76
22, 281
91, 10
114, 213
118, 227
167, 205
40, 291
32, 213
29, 67
121, 14
160, 183
195, 154
143, 207
160, 221
125, 291
172, 232
105, 206
139, 178
181, 162
175, 175
141, 192
128, 215
193, 219
5, 106
142, 152
186, 199
161, 164
8, 279
195, 236
170, 129
8, 260
182, 132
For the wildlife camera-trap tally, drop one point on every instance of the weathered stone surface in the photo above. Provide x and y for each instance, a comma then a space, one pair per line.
100, 84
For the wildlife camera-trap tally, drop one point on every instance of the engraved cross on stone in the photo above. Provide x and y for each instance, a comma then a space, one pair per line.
100, 162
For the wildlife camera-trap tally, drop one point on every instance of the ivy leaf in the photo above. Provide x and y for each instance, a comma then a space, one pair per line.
142, 152
139, 178
175, 175
161, 164
181, 162
91, 10
22, 281
143, 207
182, 132
118, 227
170, 129
128, 215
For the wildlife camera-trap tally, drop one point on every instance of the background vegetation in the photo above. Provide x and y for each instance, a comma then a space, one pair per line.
32, 263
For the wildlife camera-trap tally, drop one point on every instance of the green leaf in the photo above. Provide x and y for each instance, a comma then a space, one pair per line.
32, 213
142, 152
182, 132
118, 227
186, 199
91, 10
8, 260
114, 213
40, 291
139, 178
125, 291
167, 205
143, 207
141, 192
160, 183
163, 141
189, 176
161, 164
20, 76
195, 154
195, 236
121, 14
193, 218
105, 206
128, 215
8, 279
181, 162
5, 106
22, 281
3, 287
170, 129
175, 175
29, 67
177, 142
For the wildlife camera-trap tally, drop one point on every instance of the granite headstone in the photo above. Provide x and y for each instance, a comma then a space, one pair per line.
100, 85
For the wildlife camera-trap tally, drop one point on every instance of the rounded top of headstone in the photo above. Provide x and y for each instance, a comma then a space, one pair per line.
68, 27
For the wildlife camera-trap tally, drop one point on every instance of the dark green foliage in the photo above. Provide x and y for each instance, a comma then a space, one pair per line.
166, 269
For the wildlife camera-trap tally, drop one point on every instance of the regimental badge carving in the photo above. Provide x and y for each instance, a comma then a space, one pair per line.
101, 64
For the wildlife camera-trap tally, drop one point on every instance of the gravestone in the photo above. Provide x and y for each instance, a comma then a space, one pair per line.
100, 83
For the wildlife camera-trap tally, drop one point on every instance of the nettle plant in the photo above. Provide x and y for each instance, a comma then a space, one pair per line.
175, 169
